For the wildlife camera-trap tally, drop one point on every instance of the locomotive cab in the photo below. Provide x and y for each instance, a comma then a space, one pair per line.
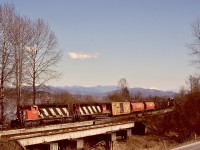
25, 114
31, 113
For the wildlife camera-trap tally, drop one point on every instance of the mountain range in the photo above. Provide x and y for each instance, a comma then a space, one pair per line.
100, 91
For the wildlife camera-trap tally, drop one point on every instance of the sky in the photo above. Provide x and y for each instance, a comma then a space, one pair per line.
143, 41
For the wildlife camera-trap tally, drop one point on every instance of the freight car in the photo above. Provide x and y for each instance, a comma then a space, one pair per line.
140, 107
150, 105
164, 104
137, 107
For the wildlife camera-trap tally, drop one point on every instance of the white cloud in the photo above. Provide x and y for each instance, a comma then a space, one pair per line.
154, 88
151, 88
81, 55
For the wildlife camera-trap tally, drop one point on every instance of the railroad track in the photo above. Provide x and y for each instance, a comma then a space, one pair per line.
44, 128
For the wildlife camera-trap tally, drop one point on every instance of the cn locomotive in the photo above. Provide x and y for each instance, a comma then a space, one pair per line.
34, 115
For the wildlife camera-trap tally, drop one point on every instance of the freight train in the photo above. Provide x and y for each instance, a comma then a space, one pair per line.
34, 115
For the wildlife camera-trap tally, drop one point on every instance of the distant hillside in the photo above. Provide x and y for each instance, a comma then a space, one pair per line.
100, 91
152, 92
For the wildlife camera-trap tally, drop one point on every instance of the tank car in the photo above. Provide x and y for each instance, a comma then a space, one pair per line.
149, 106
137, 107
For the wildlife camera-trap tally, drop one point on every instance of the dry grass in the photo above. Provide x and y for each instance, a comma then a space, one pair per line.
147, 142
135, 142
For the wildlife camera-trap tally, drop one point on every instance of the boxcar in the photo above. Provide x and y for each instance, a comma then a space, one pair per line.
120, 108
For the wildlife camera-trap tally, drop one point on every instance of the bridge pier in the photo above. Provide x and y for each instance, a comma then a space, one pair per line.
128, 133
112, 139
124, 134
109, 140
79, 143
53, 146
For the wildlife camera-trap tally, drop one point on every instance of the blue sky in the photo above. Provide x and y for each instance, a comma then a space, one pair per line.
103, 41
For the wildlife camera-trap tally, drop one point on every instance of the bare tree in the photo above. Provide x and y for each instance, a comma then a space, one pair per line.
193, 83
115, 96
21, 36
7, 14
123, 84
42, 55
195, 46
194, 80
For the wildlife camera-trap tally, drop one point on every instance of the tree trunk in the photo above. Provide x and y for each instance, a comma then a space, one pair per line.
2, 99
34, 87
34, 94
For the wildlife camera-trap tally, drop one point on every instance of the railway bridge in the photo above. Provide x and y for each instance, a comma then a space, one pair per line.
74, 134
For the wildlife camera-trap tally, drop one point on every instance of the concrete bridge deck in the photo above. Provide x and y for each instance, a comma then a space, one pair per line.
78, 134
